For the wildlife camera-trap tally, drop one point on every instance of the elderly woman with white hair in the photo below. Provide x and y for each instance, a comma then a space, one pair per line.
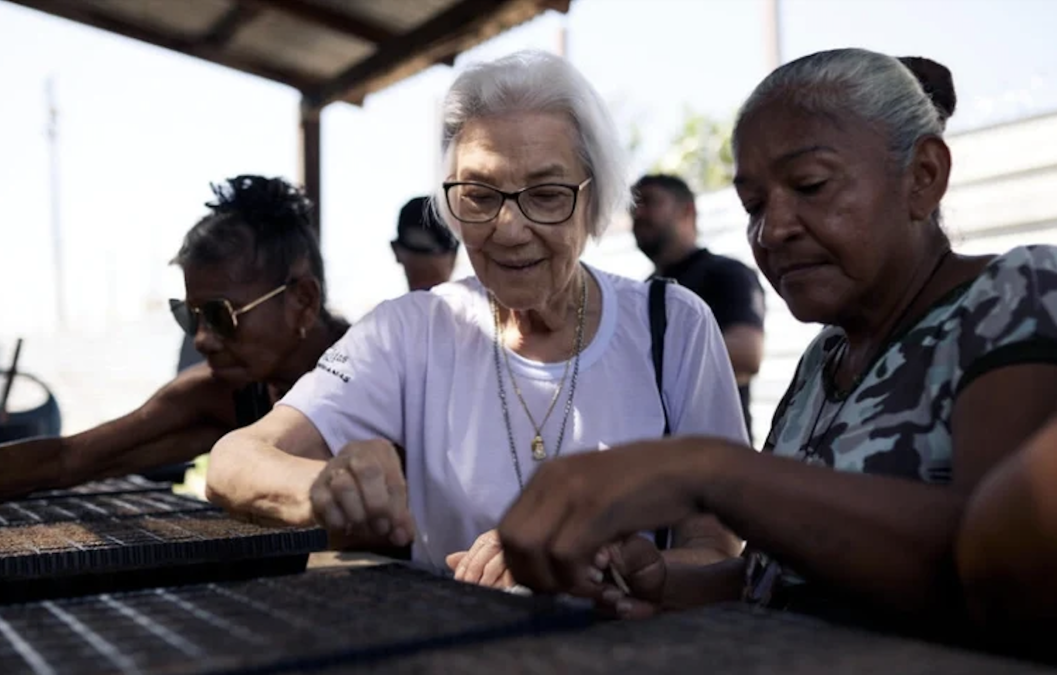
423, 423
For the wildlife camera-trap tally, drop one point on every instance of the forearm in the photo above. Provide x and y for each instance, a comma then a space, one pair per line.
1007, 545
251, 477
692, 585
29, 466
889, 541
96, 459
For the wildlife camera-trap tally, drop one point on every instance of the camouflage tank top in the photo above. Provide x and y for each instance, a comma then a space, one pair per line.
897, 421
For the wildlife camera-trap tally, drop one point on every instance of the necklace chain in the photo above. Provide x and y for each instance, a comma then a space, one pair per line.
833, 364
581, 313
539, 450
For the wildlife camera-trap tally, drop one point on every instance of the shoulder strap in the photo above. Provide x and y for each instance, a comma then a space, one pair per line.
658, 310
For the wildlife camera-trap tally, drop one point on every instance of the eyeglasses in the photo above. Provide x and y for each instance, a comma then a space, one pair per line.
219, 314
546, 203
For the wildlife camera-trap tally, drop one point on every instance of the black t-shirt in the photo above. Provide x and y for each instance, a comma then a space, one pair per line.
730, 288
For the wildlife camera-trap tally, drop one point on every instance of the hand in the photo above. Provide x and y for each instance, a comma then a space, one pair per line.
483, 564
363, 491
642, 568
575, 505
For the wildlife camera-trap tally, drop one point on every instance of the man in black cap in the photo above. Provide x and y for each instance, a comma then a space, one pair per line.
424, 246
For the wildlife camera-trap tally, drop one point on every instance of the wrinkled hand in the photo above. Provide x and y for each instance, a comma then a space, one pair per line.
483, 564
363, 491
574, 506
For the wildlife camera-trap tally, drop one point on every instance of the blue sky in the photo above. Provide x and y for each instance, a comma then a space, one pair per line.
143, 131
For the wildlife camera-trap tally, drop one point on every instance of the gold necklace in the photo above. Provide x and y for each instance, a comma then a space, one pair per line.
539, 448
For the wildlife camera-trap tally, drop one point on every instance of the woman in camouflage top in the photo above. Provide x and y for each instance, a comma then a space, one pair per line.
932, 367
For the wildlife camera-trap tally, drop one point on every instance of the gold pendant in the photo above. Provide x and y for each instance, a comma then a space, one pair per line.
539, 453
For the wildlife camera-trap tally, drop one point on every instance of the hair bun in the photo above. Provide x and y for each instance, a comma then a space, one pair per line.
263, 203
936, 80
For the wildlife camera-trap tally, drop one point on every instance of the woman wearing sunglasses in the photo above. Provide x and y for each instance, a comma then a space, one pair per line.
255, 306
485, 380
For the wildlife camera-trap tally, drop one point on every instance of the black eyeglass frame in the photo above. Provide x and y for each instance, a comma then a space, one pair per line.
516, 197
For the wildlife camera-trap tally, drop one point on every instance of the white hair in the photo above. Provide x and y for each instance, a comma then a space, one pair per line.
907, 98
535, 81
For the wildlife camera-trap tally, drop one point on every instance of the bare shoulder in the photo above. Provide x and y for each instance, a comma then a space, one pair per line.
196, 388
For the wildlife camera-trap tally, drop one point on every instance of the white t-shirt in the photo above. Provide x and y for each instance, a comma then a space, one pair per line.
420, 371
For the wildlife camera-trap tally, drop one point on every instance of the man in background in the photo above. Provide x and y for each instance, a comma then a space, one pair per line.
424, 246
664, 222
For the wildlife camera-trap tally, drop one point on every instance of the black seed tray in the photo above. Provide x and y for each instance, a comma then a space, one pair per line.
109, 486
73, 558
721, 640
275, 625
83, 508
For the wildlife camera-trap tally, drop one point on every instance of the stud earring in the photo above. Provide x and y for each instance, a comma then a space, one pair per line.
303, 332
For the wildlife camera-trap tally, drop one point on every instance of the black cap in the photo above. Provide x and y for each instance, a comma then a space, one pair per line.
419, 230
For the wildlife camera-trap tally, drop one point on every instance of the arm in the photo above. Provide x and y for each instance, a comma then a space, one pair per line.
839, 529
280, 471
735, 296
179, 422
266, 470
744, 344
1007, 545
704, 401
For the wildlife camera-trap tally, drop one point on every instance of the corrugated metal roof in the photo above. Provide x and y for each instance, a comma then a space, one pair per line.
328, 49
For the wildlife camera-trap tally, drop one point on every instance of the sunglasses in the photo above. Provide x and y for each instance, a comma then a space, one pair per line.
219, 315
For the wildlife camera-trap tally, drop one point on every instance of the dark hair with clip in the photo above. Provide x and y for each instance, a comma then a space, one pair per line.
265, 222
936, 80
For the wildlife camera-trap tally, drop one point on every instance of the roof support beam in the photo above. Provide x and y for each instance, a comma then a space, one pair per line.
431, 41
87, 15
224, 29
340, 22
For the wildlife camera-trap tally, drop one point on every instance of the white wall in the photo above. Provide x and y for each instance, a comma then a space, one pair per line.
1003, 194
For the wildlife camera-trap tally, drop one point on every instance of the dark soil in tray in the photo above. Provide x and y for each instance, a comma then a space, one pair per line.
100, 506
276, 625
43, 561
109, 486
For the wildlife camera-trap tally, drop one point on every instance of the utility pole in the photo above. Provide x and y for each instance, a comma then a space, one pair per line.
56, 214
563, 37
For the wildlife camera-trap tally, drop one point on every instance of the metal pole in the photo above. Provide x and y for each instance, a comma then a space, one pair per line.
311, 159
56, 214
563, 38
773, 33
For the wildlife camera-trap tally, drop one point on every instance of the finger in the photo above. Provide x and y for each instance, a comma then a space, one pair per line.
576, 543
400, 510
494, 571
506, 581
528, 527
453, 559
346, 495
615, 604
396, 484
374, 493
481, 553
642, 567
327, 513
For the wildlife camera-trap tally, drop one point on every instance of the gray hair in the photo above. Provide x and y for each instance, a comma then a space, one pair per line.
907, 98
536, 81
